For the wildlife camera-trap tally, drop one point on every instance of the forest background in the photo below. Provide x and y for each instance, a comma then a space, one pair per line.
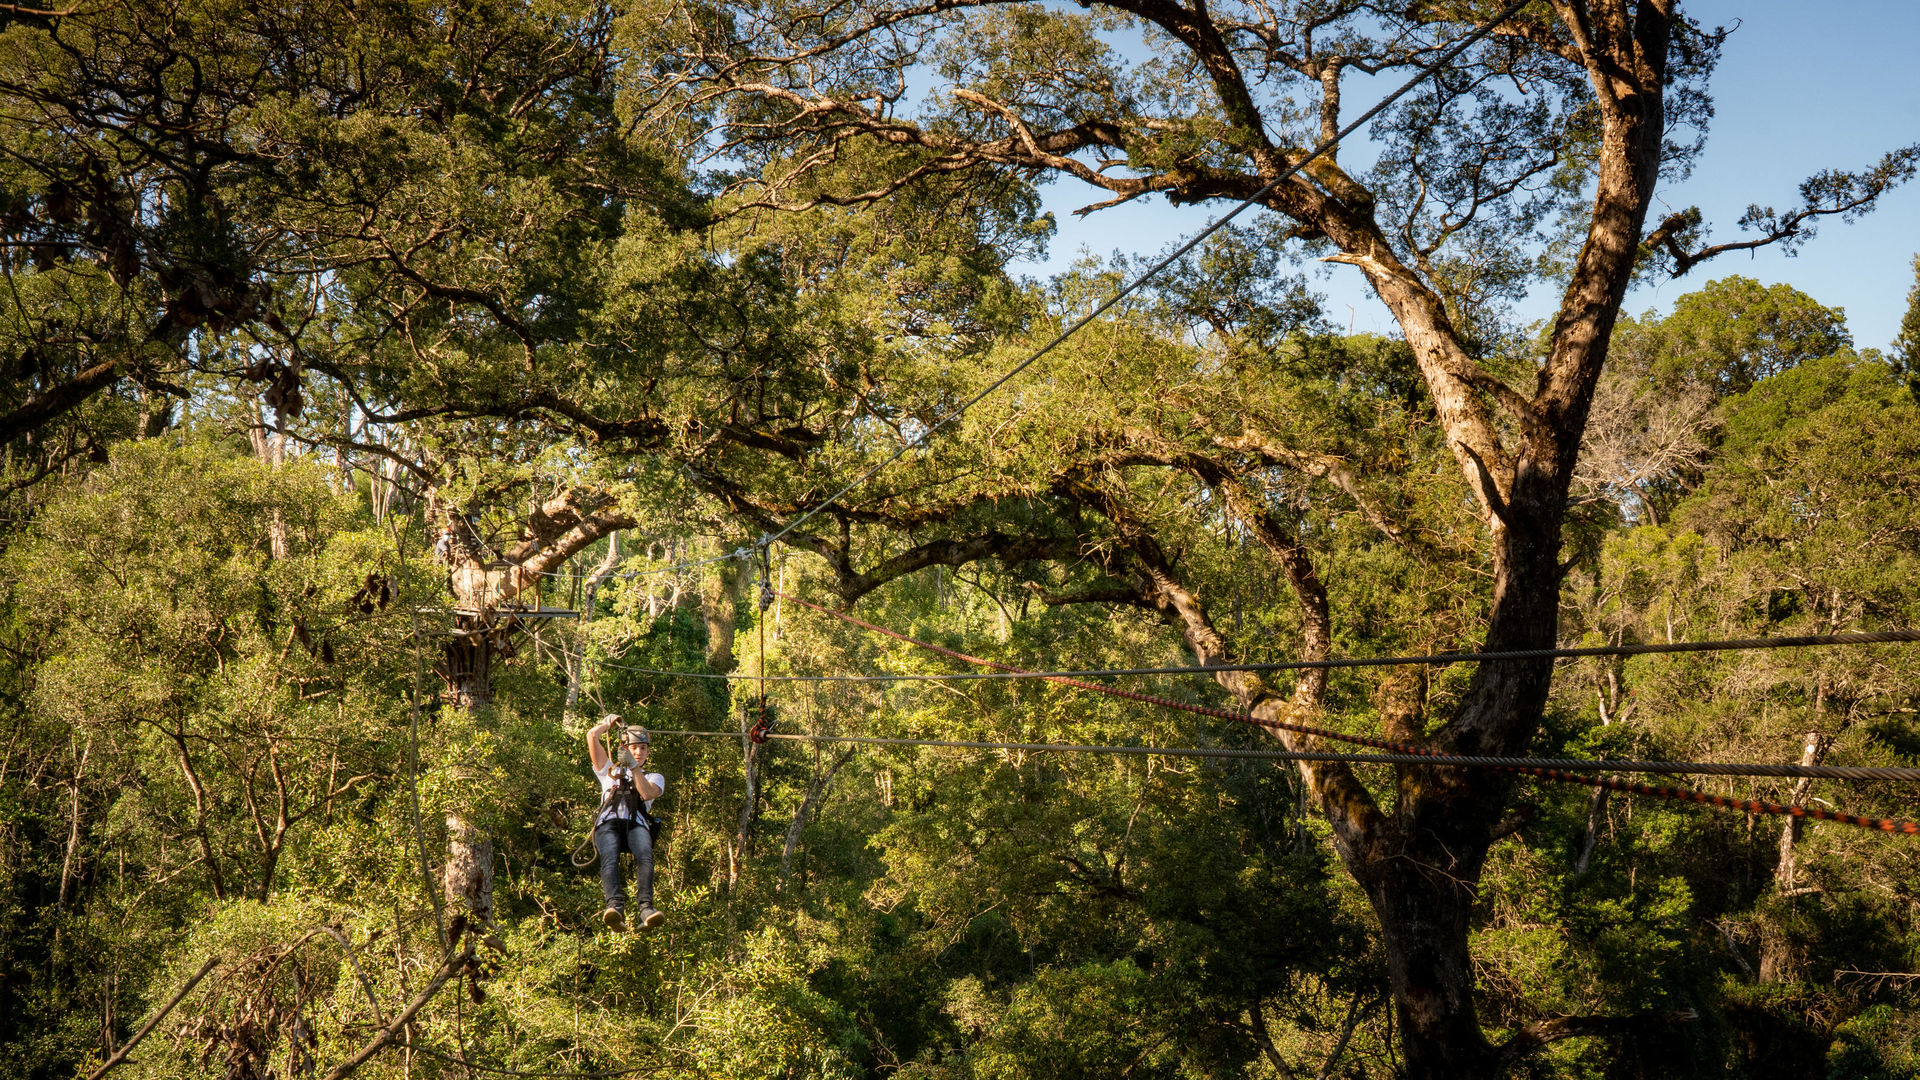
338, 335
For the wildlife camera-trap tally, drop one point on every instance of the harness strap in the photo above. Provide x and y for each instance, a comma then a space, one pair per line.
624, 794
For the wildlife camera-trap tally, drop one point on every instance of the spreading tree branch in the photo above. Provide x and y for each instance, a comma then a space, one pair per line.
1536, 1036
1825, 194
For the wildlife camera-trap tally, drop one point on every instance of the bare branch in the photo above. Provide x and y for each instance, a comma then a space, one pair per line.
388, 1035
120, 1055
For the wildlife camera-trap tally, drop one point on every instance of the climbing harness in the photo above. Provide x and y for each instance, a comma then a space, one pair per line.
623, 796
583, 855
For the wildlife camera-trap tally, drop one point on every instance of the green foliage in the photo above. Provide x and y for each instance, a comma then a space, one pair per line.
1802, 522
196, 657
473, 244
1817, 482
1906, 344
1654, 421
1056, 890
935, 914
1734, 332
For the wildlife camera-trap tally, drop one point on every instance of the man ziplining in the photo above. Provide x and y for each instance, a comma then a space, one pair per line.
624, 821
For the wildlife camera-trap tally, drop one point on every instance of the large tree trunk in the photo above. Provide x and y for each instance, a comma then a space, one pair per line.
1779, 960
482, 583
1420, 859
469, 875
719, 604
1421, 865
467, 663
1425, 913
468, 878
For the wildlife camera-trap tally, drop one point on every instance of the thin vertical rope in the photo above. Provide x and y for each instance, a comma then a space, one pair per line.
413, 786
760, 624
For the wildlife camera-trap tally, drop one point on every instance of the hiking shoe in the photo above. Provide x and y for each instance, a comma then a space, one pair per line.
614, 920
649, 916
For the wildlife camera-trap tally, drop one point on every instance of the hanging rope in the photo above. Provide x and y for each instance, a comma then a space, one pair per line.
758, 733
1422, 756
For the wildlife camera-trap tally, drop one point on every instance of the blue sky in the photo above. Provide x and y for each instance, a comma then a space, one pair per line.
1801, 87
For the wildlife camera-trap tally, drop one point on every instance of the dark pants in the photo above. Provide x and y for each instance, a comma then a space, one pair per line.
612, 837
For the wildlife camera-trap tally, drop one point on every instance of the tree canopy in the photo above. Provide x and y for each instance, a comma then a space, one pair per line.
395, 389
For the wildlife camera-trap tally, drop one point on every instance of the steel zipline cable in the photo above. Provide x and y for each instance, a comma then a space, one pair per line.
1677, 768
1326, 146
1878, 637
1549, 768
1671, 768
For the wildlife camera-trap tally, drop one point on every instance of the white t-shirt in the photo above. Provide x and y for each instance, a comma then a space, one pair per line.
610, 776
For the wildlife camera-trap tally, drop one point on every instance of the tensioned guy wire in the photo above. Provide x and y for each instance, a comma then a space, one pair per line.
1418, 755
1064, 748
1219, 223
1612, 783
1678, 768
1326, 146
